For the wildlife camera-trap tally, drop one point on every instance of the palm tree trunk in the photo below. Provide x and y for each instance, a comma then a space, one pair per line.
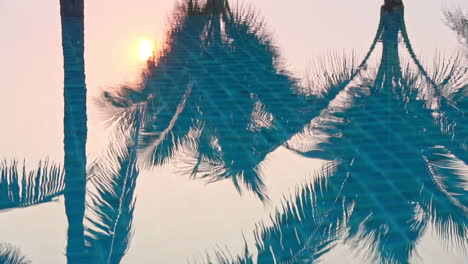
389, 70
75, 128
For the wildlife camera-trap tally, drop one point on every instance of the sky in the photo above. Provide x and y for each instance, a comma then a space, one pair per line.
31, 109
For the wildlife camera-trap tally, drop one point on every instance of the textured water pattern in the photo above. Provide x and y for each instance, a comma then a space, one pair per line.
392, 135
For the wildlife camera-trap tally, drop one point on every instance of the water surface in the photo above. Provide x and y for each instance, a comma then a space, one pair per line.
259, 132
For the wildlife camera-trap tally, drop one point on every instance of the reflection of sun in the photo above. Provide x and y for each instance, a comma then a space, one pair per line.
145, 51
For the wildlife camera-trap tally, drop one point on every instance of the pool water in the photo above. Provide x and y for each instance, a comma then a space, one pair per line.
257, 132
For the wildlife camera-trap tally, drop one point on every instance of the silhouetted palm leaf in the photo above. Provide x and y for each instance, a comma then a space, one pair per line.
326, 77
457, 20
12, 255
330, 73
160, 137
305, 227
22, 188
224, 257
441, 101
113, 181
447, 204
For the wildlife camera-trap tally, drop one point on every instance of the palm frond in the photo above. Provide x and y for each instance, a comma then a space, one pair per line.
12, 255
161, 138
246, 20
305, 227
202, 157
384, 169
330, 74
113, 182
449, 72
223, 256
457, 20
326, 77
441, 104
22, 188
447, 204
120, 103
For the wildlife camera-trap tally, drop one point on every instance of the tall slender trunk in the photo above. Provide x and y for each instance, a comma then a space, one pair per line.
75, 128
389, 70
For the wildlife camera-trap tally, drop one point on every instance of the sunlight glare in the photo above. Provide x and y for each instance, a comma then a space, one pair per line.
145, 50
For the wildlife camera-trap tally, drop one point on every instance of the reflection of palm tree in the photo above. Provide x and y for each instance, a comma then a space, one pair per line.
218, 96
399, 169
396, 157
229, 78
19, 188
439, 99
75, 129
12, 255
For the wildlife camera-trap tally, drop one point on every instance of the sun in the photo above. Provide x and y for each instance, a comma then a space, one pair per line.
145, 50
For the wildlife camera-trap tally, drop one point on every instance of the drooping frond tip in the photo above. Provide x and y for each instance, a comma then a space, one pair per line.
112, 184
304, 228
22, 188
457, 20
11, 255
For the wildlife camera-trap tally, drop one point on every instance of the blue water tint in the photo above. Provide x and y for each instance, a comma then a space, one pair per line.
217, 100
218, 96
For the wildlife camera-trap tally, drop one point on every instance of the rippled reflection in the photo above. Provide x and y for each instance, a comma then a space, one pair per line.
397, 139
217, 100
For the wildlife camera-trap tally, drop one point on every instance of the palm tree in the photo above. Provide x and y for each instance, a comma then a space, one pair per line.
222, 83
75, 128
396, 155
217, 98
398, 167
